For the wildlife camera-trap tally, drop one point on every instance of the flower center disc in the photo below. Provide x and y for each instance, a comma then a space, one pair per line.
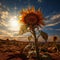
31, 19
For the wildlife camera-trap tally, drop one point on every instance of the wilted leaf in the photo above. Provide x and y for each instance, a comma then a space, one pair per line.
44, 35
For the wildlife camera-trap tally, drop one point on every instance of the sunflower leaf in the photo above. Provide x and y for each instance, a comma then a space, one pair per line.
44, 35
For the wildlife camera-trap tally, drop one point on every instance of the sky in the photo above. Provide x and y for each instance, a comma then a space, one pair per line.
10, 10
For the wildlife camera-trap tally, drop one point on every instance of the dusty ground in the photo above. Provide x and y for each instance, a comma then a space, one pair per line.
11, 48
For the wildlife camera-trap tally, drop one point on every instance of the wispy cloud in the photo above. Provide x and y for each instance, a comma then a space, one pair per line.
55, 17
53, 20
5, 32
52, 29
53, 24
3, 24
40, 1
4, 14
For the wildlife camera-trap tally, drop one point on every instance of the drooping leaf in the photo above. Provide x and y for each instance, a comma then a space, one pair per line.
44, 35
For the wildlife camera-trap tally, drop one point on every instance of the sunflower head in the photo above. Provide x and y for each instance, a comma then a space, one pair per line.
32, 17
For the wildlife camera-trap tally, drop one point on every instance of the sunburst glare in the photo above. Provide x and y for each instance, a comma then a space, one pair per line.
14, 24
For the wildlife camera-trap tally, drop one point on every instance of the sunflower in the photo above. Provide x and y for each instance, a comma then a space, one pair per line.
32, 17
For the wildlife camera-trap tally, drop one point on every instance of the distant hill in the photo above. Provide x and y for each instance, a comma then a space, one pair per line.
50, 38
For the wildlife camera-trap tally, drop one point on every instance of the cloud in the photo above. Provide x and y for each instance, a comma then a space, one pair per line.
53, 20
53, 24
4, 18
4, 24
27, 34
55, 17
4, 14
52, 29
5, 32
40, 1
15, 7
49, 29
58, 29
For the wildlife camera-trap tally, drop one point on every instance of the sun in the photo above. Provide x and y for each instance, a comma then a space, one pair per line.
14, 24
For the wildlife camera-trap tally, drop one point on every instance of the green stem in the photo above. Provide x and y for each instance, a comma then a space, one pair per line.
36, 45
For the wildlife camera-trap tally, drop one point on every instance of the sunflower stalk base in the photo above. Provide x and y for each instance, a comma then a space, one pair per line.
36, 45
